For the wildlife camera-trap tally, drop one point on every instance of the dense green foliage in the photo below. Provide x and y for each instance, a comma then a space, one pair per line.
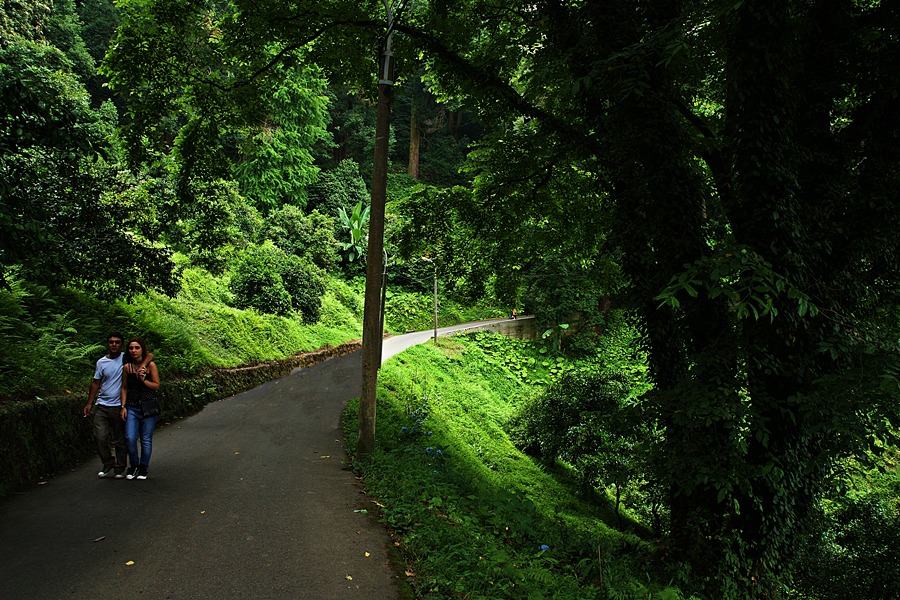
51, 339
472, 515
593, 422
59, 221
337, 188
189, 333
279, 163
851, 552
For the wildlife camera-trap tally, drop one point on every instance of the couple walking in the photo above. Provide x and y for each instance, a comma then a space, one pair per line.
126, 411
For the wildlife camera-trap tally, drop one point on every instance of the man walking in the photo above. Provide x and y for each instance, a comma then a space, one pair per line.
106, 387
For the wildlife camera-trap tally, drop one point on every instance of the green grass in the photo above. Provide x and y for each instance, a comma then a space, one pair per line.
196, 330
473, 516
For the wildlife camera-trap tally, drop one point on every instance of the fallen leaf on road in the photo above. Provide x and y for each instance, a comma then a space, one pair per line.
410, 574
361, 510
237, 453
130, 563
349, 578
325, 456
100, 539
42, 483
202, 512
368, 555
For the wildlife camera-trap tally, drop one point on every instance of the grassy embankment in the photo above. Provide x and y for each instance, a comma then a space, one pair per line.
472, 515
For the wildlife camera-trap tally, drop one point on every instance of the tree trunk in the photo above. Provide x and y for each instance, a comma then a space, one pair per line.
414, 140
454, 121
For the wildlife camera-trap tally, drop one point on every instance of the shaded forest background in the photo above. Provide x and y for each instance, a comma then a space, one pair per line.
720, 177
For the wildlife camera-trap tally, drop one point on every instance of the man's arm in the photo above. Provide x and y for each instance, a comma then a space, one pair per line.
92, 394
148, 358
123, 391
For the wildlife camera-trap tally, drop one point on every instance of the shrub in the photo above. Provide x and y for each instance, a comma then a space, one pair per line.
592, 422
310, 236
339, 187
267, 279
212, 223
250, 223
256, 281
44, 343
305, 284
855, 551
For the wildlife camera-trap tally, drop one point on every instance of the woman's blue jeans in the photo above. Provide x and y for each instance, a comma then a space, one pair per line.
139, 428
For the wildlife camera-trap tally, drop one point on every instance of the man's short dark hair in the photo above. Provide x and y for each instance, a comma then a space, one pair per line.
115, 334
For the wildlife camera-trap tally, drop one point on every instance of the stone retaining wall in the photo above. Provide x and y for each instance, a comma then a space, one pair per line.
523, 328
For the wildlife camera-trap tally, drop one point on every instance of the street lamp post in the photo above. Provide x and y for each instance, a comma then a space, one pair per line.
426, 259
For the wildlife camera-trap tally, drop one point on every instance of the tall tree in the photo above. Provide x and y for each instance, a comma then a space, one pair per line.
278, 164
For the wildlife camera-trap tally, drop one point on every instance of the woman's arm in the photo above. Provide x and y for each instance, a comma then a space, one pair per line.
151, 380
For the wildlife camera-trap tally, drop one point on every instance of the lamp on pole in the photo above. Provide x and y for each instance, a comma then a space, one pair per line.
372, 328
426, 259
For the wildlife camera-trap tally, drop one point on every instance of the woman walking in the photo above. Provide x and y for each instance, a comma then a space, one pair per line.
140, 411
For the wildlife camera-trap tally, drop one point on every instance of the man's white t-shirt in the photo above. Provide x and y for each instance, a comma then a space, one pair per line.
109, 372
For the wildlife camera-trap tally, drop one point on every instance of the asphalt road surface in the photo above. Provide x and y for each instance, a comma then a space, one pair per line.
250, 498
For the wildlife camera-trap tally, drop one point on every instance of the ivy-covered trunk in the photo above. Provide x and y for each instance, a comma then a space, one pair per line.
782, 467
662, 201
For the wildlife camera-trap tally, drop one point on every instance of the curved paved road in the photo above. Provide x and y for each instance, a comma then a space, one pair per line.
249, 498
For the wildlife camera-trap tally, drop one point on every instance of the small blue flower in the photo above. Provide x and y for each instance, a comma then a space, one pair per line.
429, 433
439, 452
429, 450
544, 547
404, 429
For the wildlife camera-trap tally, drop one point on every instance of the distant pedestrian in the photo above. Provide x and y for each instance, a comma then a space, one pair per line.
140, 410
514, 314
108, 426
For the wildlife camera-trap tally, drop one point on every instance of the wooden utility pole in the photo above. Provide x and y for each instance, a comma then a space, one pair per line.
372, 328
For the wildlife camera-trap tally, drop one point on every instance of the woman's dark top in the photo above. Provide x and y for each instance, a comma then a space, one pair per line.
136, 390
